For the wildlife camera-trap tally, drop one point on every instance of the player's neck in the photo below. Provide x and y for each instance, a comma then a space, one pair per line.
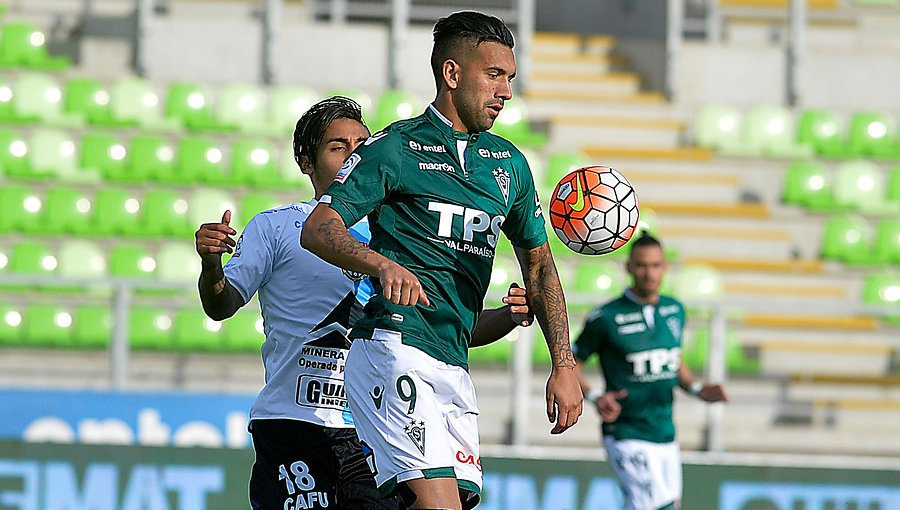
651, 298
444, 104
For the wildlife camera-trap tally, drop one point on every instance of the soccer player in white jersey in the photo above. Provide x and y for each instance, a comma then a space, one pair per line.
307, 451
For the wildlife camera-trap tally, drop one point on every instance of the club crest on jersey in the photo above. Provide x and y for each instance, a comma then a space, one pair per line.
416, 433
347, 168
237, 246
502, 178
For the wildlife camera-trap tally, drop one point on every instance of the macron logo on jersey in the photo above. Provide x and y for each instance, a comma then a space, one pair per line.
347, 168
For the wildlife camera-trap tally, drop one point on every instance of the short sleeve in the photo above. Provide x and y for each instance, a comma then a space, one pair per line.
591, 337
366, 178
525, 224
251, 265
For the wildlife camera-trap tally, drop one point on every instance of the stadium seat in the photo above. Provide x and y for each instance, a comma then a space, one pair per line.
47, 325
768, 131
104, 154
874, 135
860, 185
117, 211
494, 353
601, 279
559, 165
32, 258
697, 283
393, 105
199, 160
53, 153
254, 203
37, 97
886, 245
286, 104
291, 175
504, 272
92, 326
131, 261
150, 328
208, 205
81, 259
11, 317
152, 159
191, 104
67, 211
88, 99
824, 131
14, 152
23, 45
717, 127
166, 214
242, 107
194, 331
513, 124
882, 289
808, 184
177, 262
4, 258
695, 353
893, 187
253, 162
846, 239
134, 101
7, 113
21, 209
243, 332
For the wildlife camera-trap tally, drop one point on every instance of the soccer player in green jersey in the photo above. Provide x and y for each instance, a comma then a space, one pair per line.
638, 340
438, 190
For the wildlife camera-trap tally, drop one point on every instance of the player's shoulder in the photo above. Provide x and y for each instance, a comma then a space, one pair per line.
277, 216
396, 133
501, 146
668, 305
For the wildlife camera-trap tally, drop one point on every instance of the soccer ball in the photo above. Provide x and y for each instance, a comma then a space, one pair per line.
594, 210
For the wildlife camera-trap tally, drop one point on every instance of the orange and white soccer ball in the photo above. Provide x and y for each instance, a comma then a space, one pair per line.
594, 210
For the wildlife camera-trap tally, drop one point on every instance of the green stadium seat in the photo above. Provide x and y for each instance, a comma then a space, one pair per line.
394, 105
768, 131
882, 289
67, 211
874, 135
696, 353
81, 259
886, 245
116, 212
291, 176
243, 332
92, 326
4, 258
254, 203
194, 331
37, 97
7, 114
513, 124
846, 239
494, 353
286, 104
166, 214
88, 99
893, 187
177, 262
199, 160
104, 154
535, 162
697, 283
242, 107
152, 159
191, 105
208, 205
32, 258
21, 209
560, 164
134, 101
602, 279
860, 185
11, 317
131, 261
717, 126
824, 131
150, 328
14, 152
253, 162
505, 271
53, 153
23, 45
808, 184
48, 325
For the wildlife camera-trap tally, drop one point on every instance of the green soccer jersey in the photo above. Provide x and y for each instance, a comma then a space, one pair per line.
437, 200
640, 351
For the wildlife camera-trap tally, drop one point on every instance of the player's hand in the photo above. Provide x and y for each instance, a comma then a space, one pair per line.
564, 399
400, 286
713, 393
213, 239
519, 311
608, 405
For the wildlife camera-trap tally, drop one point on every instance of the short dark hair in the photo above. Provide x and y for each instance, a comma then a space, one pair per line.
643, 241
312, 125
465, 27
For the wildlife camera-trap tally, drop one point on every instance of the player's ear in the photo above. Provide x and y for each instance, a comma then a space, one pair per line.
450, 72
306, 165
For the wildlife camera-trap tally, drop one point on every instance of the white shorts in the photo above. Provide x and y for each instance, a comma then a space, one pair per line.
650, 473
418, 415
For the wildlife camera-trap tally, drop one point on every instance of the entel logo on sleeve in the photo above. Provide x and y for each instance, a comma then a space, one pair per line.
347, 168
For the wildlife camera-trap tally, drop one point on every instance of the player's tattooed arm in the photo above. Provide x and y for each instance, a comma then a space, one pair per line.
548, 302
219, 297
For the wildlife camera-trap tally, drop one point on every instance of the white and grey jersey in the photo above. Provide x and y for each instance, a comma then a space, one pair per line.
307, 307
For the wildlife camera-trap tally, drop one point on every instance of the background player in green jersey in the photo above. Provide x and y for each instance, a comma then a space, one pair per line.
638, 340
438, 189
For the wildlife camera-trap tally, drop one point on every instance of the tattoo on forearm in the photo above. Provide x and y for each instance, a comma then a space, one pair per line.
212, 280
337, 238
542, 279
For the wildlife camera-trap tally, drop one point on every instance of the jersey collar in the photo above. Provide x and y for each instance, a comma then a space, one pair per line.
445, 125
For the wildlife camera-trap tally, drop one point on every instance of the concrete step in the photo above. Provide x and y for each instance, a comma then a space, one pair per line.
567, 131
577, 63
610, 83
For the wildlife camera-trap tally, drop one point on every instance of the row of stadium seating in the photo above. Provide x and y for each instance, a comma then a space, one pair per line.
772, 131
22, 45
855, 185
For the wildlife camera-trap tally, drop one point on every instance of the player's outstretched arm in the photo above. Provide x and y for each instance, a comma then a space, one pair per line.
496, 323
704, 390
325, 234
545, 295
219, 298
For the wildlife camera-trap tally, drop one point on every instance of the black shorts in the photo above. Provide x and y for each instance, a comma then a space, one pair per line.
301, 465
